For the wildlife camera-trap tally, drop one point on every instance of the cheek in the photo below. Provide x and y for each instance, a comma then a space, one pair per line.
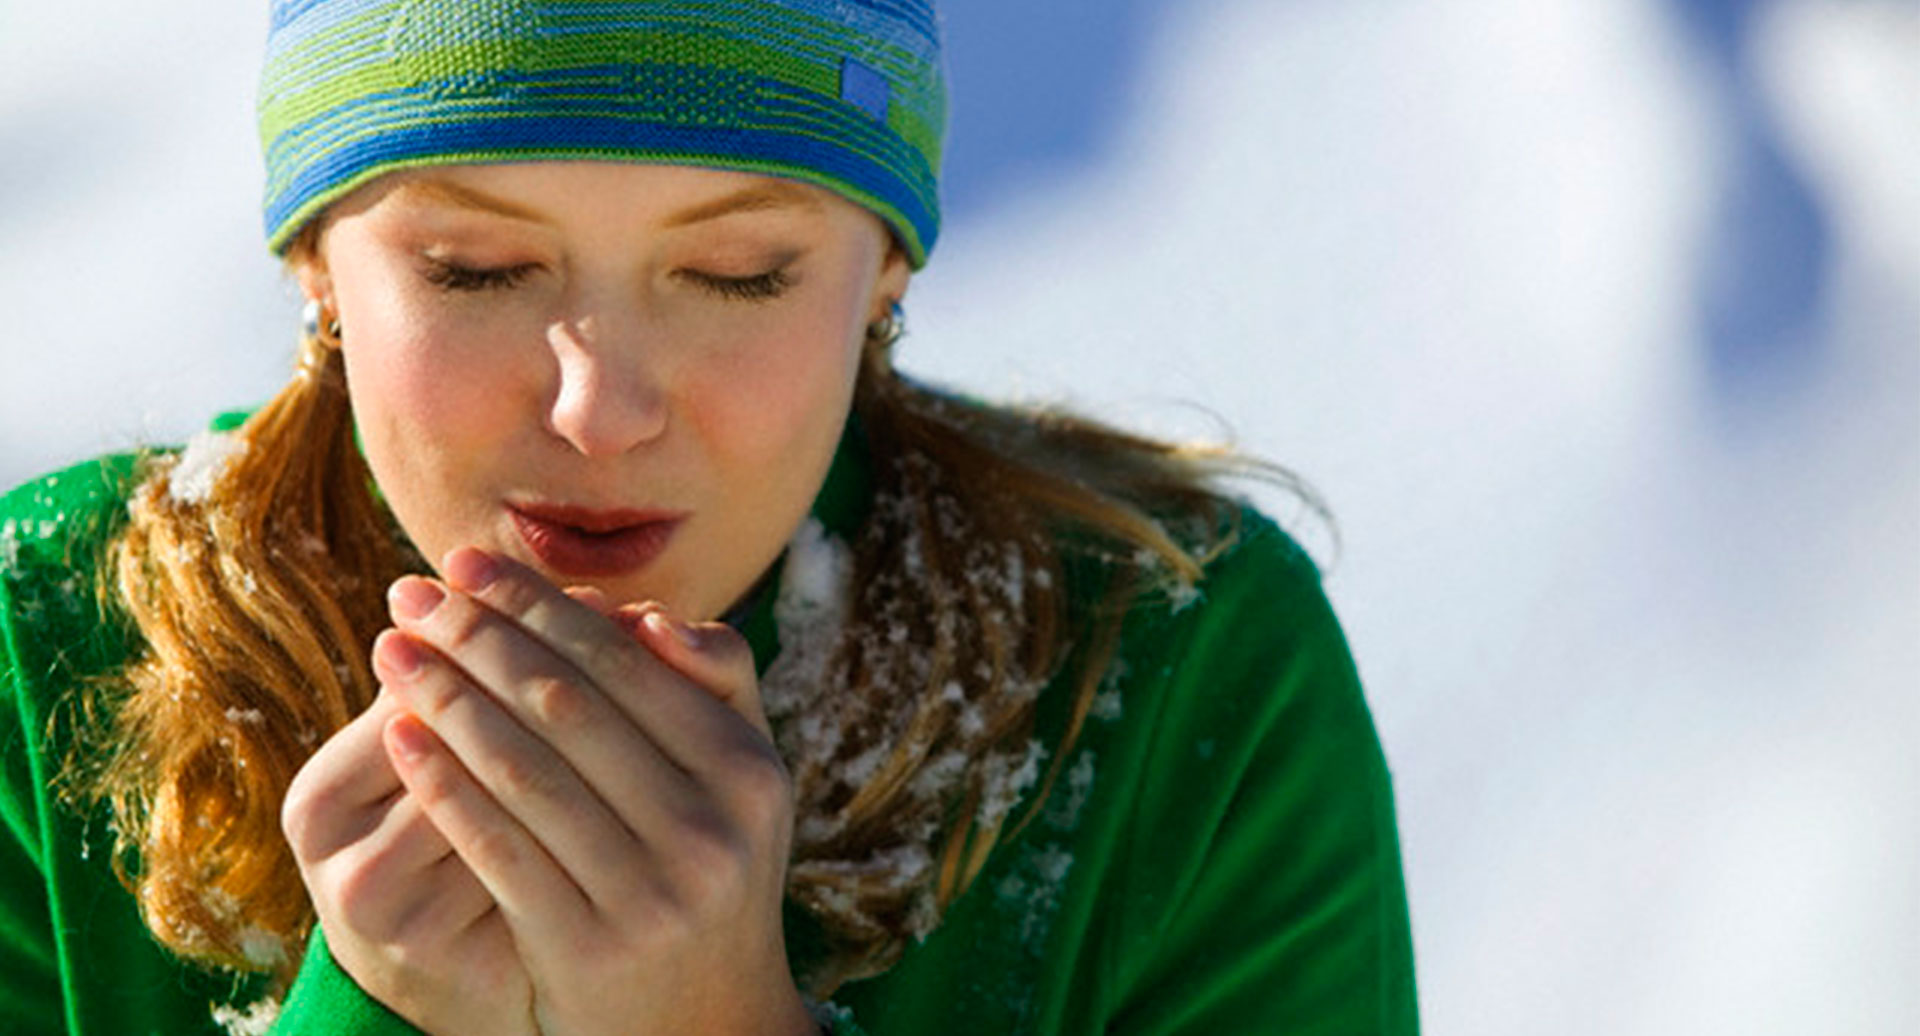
409, 366
786, 391
411, 383
426, 403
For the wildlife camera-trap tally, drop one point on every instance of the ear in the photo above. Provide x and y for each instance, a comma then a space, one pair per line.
891, 286
310, 269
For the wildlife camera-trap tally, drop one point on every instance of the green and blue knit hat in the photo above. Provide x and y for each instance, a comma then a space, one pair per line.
849, 95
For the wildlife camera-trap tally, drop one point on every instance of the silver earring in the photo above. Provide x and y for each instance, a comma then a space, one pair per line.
890, 328
312, 326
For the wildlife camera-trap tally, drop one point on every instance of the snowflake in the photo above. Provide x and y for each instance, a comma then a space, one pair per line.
201, 465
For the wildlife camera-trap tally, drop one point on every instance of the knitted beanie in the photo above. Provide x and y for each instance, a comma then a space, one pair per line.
848, 95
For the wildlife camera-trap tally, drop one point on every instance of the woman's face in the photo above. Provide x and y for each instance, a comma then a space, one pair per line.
627, 376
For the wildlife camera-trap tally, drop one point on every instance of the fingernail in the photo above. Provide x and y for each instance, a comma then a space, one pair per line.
471, 569
660, 623
408, 739
414, 598
397, 654
591, 596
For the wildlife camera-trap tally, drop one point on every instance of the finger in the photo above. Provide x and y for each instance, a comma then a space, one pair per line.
591, 596
331, 802
520, 774
751, 775
711, 654
380, 881
688, 725
404, 840
629, 617
548, 698
513, 867
458, 900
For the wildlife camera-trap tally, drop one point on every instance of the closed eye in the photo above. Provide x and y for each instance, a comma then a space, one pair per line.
453, 277
758, 288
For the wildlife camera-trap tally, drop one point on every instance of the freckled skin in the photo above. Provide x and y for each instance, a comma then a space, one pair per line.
610, 376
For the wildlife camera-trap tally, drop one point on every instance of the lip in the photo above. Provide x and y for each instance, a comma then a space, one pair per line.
585, 541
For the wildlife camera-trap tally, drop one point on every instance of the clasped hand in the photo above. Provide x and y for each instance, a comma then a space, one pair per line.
555, 818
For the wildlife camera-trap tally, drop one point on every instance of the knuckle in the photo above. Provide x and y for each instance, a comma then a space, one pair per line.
298, 820
461, 625
608, 658
557, 702
436, 694
760, 780
415, 958
433, 784
712, 860
353, 887
494, 848
705, 837
523, 778
382, 860
670, 910
360, 893
671, 920
308, 814
592, 948
672, 906
407, 957
513, 593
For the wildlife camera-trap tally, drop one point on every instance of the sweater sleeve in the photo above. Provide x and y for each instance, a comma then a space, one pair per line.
1267, 871
30, 997
325, 1001
75, 957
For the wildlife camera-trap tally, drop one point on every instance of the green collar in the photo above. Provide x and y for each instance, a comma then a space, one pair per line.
841, 506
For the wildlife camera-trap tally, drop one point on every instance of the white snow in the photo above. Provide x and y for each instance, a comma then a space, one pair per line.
262, 948
1006, 777
1031, 892
940, 775
829, 1015
811, 613
256, 1020
861, 768
815, 576
1436, 257
1067, 800
201, 464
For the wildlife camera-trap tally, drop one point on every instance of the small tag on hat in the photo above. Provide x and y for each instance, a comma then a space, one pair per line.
865, 88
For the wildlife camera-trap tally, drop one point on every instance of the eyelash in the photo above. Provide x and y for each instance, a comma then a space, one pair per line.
759, 288
466, 278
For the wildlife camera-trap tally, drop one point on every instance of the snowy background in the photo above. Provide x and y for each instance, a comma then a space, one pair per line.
1597, 322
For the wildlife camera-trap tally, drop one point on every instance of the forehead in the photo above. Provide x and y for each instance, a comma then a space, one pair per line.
550, 192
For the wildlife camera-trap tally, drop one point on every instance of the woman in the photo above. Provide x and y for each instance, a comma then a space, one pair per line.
598, 635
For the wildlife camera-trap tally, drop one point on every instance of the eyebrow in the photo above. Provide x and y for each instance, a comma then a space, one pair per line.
758, 198
468, 198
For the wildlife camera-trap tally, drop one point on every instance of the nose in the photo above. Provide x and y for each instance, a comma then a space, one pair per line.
610, 395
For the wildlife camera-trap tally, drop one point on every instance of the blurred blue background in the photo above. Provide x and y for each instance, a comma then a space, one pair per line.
1597, 322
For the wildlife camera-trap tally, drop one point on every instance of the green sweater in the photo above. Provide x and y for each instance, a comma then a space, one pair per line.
1218, 857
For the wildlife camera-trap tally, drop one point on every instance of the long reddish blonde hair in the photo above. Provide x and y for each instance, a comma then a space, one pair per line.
257, 603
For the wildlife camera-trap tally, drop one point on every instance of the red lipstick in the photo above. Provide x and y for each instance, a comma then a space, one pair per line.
583, 541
